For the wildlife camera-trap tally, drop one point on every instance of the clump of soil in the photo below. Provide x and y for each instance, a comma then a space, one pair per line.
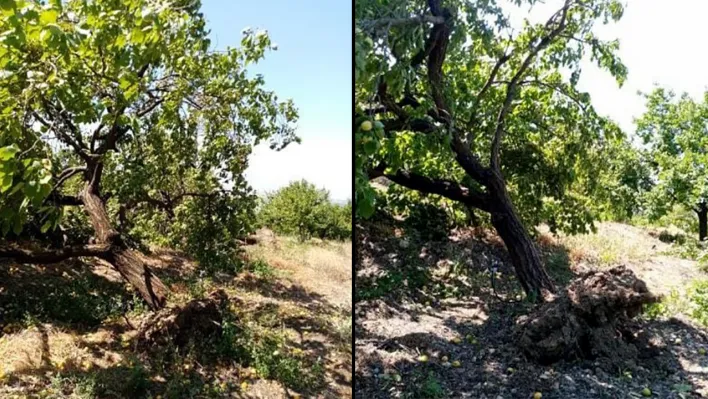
198, 318
591, 319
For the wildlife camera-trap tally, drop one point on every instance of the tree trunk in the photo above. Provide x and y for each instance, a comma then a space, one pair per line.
523, 251
702, 221
122, 258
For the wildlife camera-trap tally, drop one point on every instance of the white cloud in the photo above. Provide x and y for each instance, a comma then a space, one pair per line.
323, 161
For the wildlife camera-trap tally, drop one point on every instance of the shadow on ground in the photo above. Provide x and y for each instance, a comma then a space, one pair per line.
66, 332
432, 323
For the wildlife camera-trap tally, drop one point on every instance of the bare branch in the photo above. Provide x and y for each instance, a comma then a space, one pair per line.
512, 87
378, 24
446, 188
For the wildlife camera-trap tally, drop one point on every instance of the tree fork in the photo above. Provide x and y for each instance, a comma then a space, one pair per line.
125, 260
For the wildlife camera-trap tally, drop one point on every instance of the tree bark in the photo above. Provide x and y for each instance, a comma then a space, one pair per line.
523, 251
702, 212
122, 258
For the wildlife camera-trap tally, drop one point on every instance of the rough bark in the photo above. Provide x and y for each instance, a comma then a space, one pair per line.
702, 212
122, 258
523, 251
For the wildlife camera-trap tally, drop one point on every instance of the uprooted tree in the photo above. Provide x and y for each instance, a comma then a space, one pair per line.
452, 102
121, 108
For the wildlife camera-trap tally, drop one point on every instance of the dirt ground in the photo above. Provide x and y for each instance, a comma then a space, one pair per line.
63, 337
448, 333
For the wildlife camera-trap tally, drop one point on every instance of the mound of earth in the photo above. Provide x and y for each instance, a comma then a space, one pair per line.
591, 319
198, 319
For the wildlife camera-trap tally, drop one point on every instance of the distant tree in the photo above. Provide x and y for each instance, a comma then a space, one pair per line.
452, 102
675, 128
302, 209
121, 109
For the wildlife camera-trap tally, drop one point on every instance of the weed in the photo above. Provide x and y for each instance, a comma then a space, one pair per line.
262, 269
429, 388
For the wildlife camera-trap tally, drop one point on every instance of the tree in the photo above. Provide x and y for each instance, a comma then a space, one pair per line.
118, 106
675, 130
451, 102
303, 210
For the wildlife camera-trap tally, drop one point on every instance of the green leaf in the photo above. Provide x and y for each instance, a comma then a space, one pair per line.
46, 226
137, 36
7, 153
7, 4
5, 183
365, 208
48, 16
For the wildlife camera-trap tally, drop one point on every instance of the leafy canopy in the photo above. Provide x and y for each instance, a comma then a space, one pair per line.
132, 85
552, 136
674, 130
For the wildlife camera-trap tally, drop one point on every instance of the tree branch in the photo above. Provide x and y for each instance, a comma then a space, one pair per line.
446, 188
116, 131
378, 24
54, 256
511, 88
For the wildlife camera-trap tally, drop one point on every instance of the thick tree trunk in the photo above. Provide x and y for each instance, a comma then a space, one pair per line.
124, 259
702, 221
523, 251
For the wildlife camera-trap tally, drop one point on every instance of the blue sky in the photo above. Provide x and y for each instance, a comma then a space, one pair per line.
313, 66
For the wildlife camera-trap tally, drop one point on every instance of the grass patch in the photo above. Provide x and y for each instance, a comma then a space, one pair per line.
427, 387
268, 350
693, 303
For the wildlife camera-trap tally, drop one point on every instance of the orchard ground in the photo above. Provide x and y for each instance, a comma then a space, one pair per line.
429, 323
69, 329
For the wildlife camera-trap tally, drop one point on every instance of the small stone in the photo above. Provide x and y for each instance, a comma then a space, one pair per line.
556, 385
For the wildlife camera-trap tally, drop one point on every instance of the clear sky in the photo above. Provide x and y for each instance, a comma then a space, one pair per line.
313, 66
658, 44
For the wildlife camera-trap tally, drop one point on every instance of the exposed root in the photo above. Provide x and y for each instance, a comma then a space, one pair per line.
590, 319
198, 319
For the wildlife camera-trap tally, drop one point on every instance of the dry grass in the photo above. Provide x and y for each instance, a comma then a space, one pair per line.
612, 244
303, 306
321, 266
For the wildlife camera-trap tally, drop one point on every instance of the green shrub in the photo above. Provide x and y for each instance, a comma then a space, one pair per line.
698, 297
303, 210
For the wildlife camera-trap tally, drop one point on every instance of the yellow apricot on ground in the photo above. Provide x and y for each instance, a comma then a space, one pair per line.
456, 363
702, 351
646, 392
537, 395
456, 340
444, 358
423, 358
